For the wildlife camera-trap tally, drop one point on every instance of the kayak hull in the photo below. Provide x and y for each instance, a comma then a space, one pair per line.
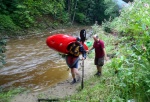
60, 42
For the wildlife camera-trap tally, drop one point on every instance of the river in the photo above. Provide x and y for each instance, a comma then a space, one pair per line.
30, 63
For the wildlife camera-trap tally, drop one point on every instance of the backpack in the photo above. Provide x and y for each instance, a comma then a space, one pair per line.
74, 50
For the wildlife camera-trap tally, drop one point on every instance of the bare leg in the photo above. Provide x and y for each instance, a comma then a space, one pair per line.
99, 69
78, 74
74, 72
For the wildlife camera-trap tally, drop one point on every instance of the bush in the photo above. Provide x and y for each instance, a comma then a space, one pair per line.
133, 60
7, 23
81, 18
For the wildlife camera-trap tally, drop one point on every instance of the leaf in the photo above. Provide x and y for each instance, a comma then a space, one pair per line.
129, 73
143, 27
148, 91
142, 65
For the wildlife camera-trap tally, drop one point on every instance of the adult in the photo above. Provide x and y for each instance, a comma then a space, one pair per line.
72, 59
100, 54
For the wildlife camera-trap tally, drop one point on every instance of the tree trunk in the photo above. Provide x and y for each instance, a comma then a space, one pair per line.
74, 12
69, 5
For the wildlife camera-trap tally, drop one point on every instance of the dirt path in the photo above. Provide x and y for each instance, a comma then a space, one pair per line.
60, 90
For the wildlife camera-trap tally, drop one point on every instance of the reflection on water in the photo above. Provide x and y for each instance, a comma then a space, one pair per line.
31, 64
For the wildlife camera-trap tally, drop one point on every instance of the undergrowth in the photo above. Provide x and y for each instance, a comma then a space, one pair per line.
6, 95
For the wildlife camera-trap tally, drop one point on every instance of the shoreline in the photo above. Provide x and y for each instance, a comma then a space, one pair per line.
61, 89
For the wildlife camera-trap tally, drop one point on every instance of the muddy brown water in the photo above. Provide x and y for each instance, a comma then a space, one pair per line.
30, 63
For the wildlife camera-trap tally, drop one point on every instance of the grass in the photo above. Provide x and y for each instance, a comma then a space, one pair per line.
99, 89
112, 86
6, 95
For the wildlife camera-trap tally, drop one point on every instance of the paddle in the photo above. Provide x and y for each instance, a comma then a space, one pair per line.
83, 37
82, 82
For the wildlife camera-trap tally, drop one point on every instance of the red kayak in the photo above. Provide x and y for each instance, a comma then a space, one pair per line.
60, 42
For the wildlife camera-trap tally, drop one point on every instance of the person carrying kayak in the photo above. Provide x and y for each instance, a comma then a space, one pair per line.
72, 59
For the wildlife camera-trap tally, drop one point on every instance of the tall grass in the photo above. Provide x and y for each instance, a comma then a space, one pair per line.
133, 60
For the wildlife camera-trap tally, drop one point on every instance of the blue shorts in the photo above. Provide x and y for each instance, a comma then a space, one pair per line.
75, 65
72, 61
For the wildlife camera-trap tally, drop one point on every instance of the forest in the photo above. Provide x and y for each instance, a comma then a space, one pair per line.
22, 15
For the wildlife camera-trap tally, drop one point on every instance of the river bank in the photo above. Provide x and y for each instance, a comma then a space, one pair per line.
41, 32
60, 90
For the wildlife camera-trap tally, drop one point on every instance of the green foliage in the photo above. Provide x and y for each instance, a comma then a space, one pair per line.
132, 72
123, 78
106, 25
8, 6
111, 8
6, 23
98, 89
89, 11
54, 7
132, 64
2, 51
5, 96
130, 19
135, 27
81, 18
23, 17
27, 14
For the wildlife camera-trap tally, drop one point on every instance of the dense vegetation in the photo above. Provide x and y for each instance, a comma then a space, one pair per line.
134, 59
126, 77
18, 15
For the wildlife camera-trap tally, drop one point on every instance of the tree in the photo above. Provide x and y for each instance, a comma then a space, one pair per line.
89, 11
